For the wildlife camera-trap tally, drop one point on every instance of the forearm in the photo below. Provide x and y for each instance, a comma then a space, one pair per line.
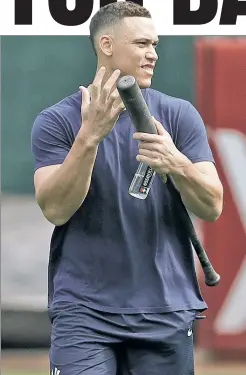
65, 190
198, 192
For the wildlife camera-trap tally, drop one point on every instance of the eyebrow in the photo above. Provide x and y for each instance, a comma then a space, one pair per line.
147, 40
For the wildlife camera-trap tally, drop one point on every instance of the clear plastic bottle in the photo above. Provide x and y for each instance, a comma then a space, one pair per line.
142, 181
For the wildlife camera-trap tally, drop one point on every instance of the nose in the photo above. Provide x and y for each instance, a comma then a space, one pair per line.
152, 54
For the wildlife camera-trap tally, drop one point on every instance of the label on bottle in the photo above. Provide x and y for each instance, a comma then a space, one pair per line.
146, 180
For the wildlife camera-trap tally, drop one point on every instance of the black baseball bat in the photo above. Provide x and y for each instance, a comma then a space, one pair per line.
139, 113
141, 117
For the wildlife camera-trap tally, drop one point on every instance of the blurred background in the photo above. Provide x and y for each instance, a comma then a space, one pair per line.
38, 71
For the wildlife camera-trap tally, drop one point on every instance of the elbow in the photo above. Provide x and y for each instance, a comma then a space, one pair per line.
216, 205
56, 221
54, 218
53, 215
51, 212
213, 216
215, 211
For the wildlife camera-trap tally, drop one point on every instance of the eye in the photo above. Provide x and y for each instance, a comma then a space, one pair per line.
142, 43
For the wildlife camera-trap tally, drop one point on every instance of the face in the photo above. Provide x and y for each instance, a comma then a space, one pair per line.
131, 48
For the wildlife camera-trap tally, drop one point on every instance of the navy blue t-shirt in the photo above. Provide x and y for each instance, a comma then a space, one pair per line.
119, 254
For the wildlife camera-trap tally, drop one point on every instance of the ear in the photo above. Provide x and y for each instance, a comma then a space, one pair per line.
106, 44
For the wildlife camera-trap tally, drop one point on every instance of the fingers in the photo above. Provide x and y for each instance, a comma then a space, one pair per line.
89, 89
153, 163
151, 146
114, 99
152, 137
107, 93
146, 137
96, 86
117, 104
109, 86
145, 160
85, 99
150, 154
159, 127
158, 138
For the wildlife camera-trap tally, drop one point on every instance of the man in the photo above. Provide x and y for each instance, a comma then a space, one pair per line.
123, 293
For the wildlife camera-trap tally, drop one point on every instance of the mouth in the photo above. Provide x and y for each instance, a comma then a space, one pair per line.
148, 69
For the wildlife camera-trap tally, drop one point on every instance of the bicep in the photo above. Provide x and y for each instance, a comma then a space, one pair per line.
192, 138
50, 142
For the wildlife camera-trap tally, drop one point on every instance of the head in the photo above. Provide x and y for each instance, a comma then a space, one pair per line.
124, 37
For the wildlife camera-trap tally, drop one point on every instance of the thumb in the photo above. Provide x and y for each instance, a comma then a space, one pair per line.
85, 98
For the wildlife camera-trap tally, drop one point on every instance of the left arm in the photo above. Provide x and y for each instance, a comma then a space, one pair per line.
200, 189
197, 181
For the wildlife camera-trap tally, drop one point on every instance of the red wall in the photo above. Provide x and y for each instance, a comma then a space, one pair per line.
221, 100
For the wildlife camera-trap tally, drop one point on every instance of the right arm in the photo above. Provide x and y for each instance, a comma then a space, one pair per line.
61, 189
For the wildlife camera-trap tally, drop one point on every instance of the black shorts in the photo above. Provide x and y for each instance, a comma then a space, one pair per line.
89, 342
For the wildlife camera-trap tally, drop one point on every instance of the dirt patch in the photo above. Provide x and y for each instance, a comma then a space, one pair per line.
25, 361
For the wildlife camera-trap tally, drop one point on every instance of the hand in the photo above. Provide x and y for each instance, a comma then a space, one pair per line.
101, 105
159, 152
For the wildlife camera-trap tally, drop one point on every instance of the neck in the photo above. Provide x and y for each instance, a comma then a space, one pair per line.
107, 74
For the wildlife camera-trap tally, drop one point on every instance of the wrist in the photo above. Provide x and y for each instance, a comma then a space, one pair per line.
181, 167
88, 139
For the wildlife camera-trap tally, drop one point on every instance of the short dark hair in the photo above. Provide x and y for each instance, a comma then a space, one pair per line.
112, 14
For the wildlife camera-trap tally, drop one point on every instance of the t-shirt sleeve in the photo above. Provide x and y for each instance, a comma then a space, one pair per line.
192, 138
50, 142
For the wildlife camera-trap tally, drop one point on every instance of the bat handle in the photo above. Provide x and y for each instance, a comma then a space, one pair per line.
142, 181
